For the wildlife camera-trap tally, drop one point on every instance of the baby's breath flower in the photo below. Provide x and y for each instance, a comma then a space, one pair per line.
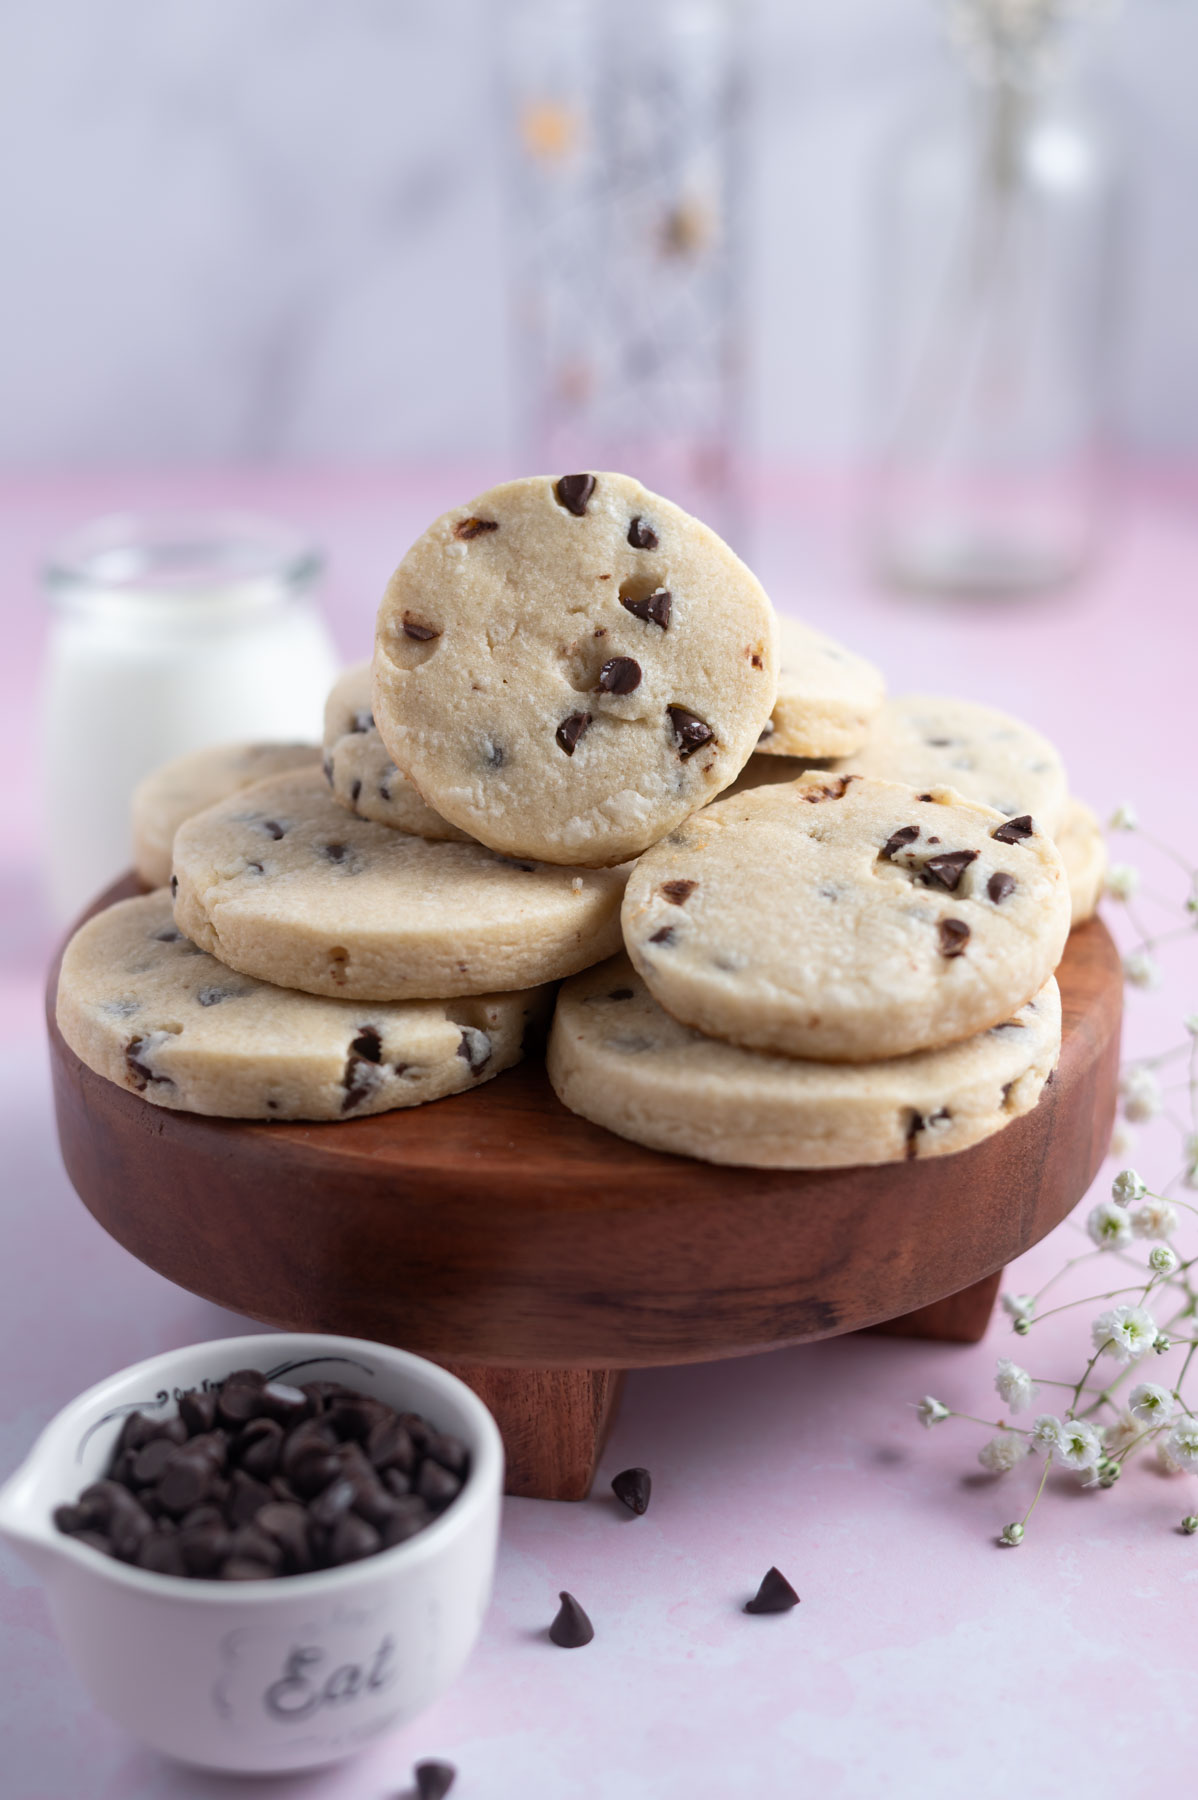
1003, 1452
1189, 1524
1162, 1260
1164, 1343
1190, 1152
1124, 818
1191, 1024
930, 1412
1150, 1403
1123, 1142
1122, 1434
1122, 881
1128, 1187
1182, 1442
1154, 1218
1142, 970
1073, 1442
1019, 1307
1125, 1332
1106, 1473
1142, 1097
1166, 1460
1109, 1226
1012, 1534
1014, 1385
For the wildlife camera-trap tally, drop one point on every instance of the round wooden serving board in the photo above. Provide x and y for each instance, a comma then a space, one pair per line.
495, 1230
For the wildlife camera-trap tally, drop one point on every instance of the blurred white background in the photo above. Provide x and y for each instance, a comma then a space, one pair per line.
274, 231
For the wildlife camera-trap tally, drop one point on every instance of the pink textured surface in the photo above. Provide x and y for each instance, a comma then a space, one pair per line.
922, 1661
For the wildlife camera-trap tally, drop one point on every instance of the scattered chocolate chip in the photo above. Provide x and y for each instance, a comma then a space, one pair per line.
633, 1487
946, 871
831, 790
369, 1044
434, 1779
1014, 830
640, 535
416, 628
678, 892
664, 935
653, 608
620, 676
475, 1048
690, 731
472, 528
571, 1629
571, 729
775, 1594
573, 492
954, 935
906, 834
999, 886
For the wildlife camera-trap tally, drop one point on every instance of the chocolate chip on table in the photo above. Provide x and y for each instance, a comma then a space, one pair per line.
633, 1487
620, 676
1000, 885
775, 1594
641, 535
954, 934
260, 1479
690, 731
571, 729
418, 630
946, 871
434, 1779
472, 528
678, 892
571, 1629
1013, 831
906, 834
653, 607
573, 492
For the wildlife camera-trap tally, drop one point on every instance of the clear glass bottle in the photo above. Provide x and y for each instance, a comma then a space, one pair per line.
993, 332
166, 635
624, 188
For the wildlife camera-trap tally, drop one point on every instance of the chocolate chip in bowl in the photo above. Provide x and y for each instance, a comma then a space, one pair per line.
291, 1538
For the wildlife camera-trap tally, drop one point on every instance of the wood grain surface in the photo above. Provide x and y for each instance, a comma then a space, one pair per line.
497, 1228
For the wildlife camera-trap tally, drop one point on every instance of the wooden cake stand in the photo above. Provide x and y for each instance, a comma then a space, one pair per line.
539, 1257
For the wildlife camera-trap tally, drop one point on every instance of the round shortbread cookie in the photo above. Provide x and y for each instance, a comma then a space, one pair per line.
280, 882
359, 769
1083, 852
846, 919
188, 784
147, 1010
985, 754
618, 1059
567, 668
827, 696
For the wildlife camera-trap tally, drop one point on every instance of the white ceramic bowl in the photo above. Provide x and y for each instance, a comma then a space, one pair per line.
259, 1676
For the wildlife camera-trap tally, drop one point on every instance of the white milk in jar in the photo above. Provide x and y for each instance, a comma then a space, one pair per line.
167, 635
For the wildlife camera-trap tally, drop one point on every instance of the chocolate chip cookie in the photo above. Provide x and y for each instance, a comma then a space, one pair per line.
846, 919
143, 1007
280, 882
359, 769
827, 695
188, 784
985, 754
568, 667
618, 1059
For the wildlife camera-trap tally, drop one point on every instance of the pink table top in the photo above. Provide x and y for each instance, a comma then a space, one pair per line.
922, 1660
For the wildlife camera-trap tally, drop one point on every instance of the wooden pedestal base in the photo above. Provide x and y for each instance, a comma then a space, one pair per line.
538, 1256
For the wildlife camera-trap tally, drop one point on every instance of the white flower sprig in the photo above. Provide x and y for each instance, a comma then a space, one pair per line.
1154, 1309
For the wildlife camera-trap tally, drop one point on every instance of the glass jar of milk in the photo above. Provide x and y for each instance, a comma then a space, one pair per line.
167, 634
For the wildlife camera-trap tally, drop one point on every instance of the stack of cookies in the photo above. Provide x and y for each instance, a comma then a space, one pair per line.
798, 925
